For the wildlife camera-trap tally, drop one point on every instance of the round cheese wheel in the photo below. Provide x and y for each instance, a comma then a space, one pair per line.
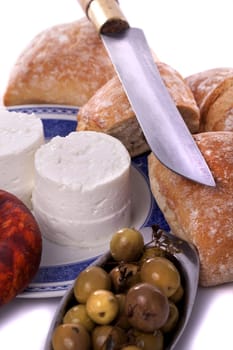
82, 188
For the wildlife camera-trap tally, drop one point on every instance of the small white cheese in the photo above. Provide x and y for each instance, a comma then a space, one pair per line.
82, 188
20, 136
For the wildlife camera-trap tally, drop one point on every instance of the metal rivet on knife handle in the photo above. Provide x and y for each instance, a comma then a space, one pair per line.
106, 15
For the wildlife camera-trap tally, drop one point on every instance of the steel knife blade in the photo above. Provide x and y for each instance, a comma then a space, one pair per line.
164, 128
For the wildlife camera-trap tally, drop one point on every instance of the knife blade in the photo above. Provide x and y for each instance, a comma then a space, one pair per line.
164, 128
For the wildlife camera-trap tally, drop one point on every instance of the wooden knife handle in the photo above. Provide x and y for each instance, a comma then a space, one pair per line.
106, 15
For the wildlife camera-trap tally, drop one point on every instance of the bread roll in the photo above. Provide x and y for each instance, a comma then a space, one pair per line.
200, 214
64, 64
109, 110
213, 91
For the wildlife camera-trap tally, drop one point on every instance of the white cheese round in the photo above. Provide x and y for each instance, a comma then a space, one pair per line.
82, 188
21, 135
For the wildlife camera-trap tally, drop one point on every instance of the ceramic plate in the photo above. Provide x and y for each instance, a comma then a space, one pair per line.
61, 264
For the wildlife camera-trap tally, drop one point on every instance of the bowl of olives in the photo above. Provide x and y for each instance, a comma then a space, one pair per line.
137, 296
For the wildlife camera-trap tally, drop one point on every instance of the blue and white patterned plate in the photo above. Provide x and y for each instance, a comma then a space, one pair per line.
60, 264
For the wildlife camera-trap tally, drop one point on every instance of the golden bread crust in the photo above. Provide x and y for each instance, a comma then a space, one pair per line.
200, 214
213, 91
64, 64
182, 96
109, 110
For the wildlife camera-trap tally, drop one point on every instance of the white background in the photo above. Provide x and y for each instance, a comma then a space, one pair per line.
190, 36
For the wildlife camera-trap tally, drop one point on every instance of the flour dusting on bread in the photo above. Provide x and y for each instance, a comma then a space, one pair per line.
200, 214
213, 92
109, 110
64, 64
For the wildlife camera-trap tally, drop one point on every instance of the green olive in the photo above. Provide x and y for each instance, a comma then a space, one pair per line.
162, 273
178, 295
89, 280
121, 320
151, 252
102, 306
173, 318
126, 245
108, 337
70, 337
123, 276
78, 314
150, 341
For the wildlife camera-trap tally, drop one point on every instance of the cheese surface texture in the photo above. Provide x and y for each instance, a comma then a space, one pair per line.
82, 188
21, 135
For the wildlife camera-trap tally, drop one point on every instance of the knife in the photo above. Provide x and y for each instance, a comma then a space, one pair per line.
164, 128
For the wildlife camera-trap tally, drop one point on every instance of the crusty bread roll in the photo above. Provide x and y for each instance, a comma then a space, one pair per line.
64, 64
200, 214
213, 91
110, 111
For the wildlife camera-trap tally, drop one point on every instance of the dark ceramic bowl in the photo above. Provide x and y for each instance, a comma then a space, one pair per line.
186, 259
